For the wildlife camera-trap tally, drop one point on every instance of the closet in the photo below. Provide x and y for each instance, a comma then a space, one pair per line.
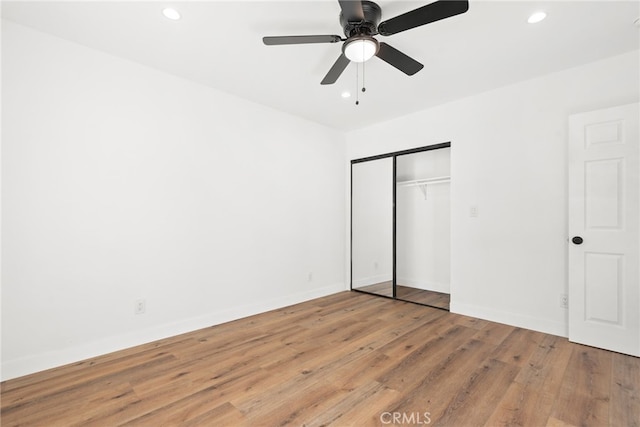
400, 225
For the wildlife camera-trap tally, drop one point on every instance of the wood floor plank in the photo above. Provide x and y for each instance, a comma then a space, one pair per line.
81, 387
224, 415
554, 422
356, 373
534, 390
63, 374
517, 346
521, 405
178, 412
494, 333
86, 400
470, 322
407, 338
625, 390
352, 403
366, 412
547, 364
13, 391
480, 394
435, 385
403, 374
349, 359
267, 403
586, 388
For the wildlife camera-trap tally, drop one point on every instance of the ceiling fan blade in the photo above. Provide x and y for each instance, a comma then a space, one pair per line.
278, 40
335, 71
352, 10
423, 15
402, 62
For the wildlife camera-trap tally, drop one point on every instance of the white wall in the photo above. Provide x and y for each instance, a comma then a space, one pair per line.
509, 160
120, 182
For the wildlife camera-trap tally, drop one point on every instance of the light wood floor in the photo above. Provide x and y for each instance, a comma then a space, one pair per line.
346, 359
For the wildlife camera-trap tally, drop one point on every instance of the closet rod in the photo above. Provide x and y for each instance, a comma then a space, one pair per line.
416, 182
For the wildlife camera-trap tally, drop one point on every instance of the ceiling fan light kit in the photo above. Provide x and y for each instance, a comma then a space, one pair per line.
360, 21
360, 48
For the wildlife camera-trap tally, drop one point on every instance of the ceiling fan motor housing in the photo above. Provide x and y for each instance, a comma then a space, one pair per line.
368, 26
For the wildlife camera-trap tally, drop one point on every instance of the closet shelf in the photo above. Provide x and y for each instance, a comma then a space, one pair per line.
423, 183
426, 181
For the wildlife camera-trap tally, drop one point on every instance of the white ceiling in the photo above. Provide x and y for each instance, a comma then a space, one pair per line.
219, 44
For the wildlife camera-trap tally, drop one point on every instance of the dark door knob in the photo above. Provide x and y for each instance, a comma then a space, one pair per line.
577, 240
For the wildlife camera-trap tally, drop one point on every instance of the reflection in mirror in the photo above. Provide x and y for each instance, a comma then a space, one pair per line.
423, 227
372, 226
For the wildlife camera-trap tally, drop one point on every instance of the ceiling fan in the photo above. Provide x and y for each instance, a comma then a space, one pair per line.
360, 20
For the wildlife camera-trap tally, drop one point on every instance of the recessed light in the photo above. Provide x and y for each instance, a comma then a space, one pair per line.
171, 13
536, 17
346, 94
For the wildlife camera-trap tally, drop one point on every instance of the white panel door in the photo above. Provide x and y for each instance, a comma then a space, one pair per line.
604, 227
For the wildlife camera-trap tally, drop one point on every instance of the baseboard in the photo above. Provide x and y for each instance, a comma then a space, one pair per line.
40, 362
510, 318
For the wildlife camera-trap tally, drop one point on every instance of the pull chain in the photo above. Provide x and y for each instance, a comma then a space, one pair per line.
357, 83
363, 68
357, 78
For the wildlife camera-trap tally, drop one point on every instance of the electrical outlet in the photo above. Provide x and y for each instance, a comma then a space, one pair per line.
564, 300
140, 306
473, 211
310, 277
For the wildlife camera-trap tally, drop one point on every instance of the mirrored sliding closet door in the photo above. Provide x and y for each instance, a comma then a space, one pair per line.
401, 227
372, 226
423, 227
